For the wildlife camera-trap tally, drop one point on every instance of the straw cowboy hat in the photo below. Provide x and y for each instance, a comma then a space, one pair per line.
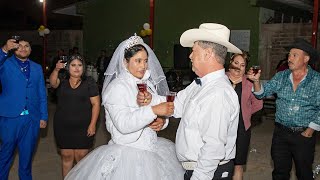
305, 46
211, 32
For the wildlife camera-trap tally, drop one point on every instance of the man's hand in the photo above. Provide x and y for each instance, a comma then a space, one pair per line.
11, 44
163, 109
43, 124
157, 124
253, 77
144, 98
308, 133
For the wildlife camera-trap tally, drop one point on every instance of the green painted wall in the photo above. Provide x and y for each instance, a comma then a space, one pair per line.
106, 23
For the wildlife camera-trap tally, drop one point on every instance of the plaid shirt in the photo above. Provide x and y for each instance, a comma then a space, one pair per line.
295, 109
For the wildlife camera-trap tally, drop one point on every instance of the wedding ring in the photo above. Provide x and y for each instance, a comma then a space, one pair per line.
145, 100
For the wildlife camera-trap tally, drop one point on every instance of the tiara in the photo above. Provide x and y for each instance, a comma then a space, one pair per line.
133, 40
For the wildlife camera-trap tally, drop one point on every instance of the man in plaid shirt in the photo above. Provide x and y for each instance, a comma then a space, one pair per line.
297, 111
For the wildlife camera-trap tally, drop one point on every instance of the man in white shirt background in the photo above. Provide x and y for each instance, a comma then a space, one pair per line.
208, 107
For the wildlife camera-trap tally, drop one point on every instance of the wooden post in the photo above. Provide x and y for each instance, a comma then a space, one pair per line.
44, 11
151, 20
315, 23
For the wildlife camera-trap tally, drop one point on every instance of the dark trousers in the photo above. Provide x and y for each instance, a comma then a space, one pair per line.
288, 145
22, 133
228, 167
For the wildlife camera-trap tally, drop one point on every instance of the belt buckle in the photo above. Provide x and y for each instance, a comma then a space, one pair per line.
297, 129
189, 165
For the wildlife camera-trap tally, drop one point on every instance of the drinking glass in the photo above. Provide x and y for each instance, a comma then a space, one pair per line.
255, 69
170, 96
142, 86
17, 38
64, 59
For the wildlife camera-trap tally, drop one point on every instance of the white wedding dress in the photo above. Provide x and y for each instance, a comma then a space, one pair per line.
134, 152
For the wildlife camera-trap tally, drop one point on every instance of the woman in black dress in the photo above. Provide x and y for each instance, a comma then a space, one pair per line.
249, 105
76, 113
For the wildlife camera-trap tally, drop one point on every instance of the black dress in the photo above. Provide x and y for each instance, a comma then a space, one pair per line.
73, 114
243, 135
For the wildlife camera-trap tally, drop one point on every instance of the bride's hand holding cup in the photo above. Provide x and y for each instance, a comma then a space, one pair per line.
143, 97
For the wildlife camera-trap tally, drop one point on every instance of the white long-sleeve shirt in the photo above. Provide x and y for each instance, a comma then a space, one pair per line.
125, 120
209, 121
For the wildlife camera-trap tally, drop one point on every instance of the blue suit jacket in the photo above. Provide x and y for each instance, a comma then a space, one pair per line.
18, 93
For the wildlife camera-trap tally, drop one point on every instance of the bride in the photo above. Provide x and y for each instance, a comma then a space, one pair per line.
134, 151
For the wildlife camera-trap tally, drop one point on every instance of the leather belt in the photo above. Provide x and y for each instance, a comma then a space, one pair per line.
187, 165
290, 129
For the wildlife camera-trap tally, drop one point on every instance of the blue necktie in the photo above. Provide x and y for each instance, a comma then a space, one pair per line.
198, 81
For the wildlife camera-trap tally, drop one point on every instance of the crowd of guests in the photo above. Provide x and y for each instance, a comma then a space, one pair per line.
214, 132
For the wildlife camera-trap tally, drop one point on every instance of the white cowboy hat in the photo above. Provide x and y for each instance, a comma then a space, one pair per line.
211, 32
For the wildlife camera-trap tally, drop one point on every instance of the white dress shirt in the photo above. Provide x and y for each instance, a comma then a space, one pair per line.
209, 121
125, 120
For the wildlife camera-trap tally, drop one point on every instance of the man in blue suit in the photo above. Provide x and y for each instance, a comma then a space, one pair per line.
23, 107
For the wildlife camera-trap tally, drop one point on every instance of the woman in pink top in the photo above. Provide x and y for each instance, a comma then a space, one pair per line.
248, 106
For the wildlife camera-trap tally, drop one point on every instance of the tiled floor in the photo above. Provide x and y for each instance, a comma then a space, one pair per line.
46, 164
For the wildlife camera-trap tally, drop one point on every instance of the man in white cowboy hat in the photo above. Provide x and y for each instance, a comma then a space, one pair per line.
298, 115
208, 107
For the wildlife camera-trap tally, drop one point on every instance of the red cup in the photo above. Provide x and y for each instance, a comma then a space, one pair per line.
171, 96
142, 86
255, 69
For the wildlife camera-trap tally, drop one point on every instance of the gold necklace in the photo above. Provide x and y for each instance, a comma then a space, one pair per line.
75, 84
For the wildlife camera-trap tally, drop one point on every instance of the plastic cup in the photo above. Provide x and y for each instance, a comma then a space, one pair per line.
170, 96
142, 86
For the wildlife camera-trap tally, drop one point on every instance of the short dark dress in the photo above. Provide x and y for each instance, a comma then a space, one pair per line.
243, 135
73, 114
